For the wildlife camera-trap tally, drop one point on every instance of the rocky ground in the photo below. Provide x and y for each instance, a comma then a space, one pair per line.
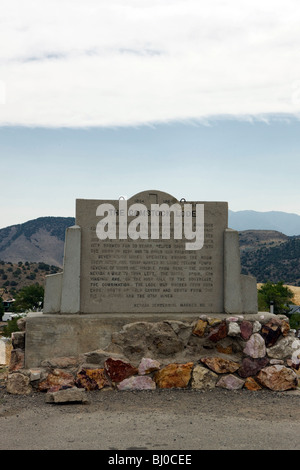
160, 420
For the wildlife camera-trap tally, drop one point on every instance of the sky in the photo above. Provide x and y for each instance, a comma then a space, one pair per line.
102, 98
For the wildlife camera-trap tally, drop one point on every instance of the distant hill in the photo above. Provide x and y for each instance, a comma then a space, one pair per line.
252, 240
38, 240
289, 224
274, 259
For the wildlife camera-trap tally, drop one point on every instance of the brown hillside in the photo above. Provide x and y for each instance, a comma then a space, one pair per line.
254, 239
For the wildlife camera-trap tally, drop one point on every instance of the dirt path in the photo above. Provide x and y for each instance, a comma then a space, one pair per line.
159, 420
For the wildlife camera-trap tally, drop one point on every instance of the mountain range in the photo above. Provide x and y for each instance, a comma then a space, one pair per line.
283, 222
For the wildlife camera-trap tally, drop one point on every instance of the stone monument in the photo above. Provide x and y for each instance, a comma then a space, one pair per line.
151, 258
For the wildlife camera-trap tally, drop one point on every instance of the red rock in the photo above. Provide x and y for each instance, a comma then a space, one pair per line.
91, 379
278, 378
174, 376
219, 332
251, 366
220, 365
246, 329
56, 380
118, 370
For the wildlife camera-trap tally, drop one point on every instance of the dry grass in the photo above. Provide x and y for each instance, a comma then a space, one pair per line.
296, 291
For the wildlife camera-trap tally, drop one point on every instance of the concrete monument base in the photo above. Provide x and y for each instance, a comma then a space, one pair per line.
72, 335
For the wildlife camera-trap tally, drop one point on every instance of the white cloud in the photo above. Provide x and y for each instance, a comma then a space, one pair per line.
112, 62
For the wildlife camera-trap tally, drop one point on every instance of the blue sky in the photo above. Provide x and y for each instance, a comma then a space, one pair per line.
111, 98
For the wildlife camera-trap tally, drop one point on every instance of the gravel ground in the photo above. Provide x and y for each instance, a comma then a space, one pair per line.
161, 420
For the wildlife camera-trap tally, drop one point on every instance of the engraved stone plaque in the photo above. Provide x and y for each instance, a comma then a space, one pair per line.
151, 274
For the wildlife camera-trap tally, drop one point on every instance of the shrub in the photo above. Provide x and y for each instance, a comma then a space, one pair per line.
11, 326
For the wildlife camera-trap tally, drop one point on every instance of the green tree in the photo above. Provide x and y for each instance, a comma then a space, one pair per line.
17, 272
11, 326
295, 321
29, 298
280, 295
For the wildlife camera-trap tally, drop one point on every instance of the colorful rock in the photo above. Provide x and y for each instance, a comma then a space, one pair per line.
284, 348
203, 378
200, 328
220, 365
218, 333
91, 379
230, 382
285, 328
251, 367
174, 376
118, 370
278, 378
138, 382
271, 332
147, 366
246, 329
255, 346
56, 380
251, 384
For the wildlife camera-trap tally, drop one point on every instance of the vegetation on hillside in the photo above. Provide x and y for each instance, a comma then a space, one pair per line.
274, 264
13, 277
10, 327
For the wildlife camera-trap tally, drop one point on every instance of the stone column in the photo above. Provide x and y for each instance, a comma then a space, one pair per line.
232, 273
70, 297
52, 297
